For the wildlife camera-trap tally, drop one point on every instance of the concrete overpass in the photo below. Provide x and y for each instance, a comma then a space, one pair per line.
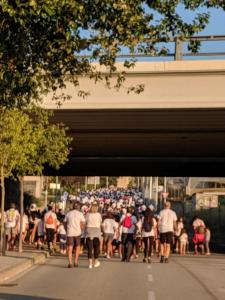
176, 127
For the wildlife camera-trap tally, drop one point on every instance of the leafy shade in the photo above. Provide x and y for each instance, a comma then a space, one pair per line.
41, 41
28, 142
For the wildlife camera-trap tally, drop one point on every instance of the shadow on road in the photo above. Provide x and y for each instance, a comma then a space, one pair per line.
4, 296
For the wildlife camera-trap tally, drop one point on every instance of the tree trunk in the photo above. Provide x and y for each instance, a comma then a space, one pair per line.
21, 214
2, 212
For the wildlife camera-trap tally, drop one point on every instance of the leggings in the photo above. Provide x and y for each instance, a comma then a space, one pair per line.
93, 244
127, 245
148, 242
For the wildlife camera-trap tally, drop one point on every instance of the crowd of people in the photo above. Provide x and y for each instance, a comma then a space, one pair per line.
109, 222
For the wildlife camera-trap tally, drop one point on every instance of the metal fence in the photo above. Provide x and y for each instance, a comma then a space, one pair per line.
179, 52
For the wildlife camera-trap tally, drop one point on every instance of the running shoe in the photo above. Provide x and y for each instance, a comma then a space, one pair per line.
97, 264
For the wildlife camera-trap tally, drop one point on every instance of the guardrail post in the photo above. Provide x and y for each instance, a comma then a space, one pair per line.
178, 49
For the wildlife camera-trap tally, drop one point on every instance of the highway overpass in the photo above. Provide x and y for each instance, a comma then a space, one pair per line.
175, 127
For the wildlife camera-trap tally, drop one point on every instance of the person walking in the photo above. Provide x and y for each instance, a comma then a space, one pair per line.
148, 233
128, 223
12, 220
167, 224
109, 228
74, 224
207, 240
50, 225
93, 231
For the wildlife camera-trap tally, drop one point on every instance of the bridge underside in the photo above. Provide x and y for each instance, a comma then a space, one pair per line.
175, 142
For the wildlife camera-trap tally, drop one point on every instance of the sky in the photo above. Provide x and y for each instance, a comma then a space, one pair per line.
216, 26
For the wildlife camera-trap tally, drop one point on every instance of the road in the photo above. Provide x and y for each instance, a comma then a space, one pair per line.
184, 278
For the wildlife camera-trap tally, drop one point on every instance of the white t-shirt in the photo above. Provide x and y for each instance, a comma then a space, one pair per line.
179, 227
167, 218
73, 220
49, 216
152, 232
109, 226
61, 229
94, 220
12, 218
117, 231
133, 222
25, 222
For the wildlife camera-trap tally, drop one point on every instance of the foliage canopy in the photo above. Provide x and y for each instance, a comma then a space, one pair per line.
28, 142
41, 40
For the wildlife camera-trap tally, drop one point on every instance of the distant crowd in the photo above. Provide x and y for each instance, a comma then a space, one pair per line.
110, 222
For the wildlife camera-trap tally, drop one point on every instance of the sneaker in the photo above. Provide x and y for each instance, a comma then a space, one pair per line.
108, 257
75, 265
69, 266
144, 260
90, 266
149, 260
97, 264
162, 259
166, 260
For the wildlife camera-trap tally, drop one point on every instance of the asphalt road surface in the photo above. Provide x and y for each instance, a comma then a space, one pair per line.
184, 278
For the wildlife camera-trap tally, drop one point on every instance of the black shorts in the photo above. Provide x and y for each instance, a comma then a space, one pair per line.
74, 241
50, 234
166, 237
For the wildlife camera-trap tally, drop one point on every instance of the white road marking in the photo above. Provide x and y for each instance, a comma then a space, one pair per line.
151, 295
150, 277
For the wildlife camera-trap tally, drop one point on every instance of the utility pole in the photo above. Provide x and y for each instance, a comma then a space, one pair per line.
46, 192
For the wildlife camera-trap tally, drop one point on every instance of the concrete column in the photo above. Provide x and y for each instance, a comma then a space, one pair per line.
150, 187
156, 193
86, 182
165, 184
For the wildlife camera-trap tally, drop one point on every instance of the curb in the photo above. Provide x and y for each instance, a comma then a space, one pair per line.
26, 263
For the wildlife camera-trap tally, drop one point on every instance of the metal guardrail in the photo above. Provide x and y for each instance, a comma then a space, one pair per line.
179, 42
178, 55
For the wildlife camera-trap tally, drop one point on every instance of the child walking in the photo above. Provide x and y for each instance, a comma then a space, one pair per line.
207, 240
183, 241
62, 237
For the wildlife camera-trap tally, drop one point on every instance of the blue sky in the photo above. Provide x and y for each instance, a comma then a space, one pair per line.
216, 26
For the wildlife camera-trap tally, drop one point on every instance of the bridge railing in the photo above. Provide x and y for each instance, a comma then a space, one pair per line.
179, 53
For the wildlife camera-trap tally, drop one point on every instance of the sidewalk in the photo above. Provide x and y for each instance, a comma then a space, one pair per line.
14, 263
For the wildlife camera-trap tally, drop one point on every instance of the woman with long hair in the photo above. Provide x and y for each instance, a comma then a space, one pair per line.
93, 229
148, 234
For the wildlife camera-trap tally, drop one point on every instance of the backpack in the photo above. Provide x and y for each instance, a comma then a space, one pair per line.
50, 220
147, 226
127, 222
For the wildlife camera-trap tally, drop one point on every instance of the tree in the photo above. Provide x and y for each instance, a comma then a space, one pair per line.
41, 42
15, 130
27, 143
